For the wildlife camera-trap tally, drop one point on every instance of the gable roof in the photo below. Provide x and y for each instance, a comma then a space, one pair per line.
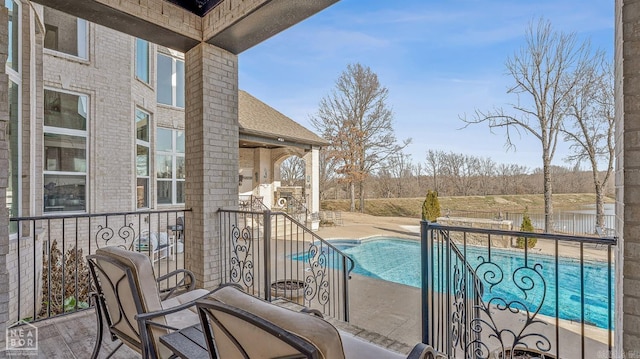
259, 119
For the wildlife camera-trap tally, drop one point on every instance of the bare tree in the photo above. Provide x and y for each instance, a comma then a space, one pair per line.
356, 120
543, 71
590, 126
292, 171
434, 165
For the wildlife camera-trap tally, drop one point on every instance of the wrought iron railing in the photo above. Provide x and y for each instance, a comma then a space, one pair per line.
46, 260
483, 297
252, 203
273, 255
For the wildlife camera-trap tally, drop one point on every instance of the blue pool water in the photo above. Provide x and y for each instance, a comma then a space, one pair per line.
398, 261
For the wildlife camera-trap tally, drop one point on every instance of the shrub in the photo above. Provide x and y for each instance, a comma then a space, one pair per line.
526, 226
431, 207
57, 266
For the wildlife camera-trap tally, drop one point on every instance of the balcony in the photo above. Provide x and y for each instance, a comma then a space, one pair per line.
493, 308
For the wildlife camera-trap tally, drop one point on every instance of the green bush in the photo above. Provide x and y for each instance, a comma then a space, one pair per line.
526, 226
431, 207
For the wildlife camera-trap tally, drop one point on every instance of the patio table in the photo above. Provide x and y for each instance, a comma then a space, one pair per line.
188, 343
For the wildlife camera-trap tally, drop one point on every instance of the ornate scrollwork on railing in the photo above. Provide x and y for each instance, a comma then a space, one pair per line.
241, 259
458, 317
527, 290
317, 283
105, 236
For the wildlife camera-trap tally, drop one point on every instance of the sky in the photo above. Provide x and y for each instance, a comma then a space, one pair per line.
439, 59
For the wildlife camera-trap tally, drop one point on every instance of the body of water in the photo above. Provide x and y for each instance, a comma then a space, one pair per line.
534, 284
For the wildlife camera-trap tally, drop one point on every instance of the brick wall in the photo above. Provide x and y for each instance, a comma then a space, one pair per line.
4, 174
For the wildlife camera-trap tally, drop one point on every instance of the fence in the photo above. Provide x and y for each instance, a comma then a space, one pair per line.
575, 223
272, 255
551, 299
46, 260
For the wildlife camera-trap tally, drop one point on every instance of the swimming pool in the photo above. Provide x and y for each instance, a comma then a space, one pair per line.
398, 260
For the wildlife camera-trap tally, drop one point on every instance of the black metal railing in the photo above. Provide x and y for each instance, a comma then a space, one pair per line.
46, 259
273, 255
502, 294
252, 203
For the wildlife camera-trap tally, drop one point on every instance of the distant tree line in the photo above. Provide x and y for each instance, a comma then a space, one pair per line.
458, 174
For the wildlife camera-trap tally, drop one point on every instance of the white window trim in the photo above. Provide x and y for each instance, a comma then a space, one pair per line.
84, 33
70, 132
174, 81
16, 78
146, 144
174, 154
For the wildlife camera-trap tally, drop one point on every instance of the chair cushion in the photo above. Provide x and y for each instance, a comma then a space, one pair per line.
184, 298
315, 330
355, 348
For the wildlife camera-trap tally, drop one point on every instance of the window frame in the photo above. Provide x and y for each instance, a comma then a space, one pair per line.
174, 81
15, 78
69, 132
174, 154
147, 145
84, 56
137, 43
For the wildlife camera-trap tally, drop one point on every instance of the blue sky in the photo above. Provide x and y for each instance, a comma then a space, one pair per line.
439, 59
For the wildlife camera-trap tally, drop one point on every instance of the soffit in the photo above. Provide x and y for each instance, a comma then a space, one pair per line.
182, 24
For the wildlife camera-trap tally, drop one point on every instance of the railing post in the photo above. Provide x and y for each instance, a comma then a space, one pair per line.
267, 255
425, 274
345, 288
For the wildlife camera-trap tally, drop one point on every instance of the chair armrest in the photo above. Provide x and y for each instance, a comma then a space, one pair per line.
179, 283
311, 311
424, 351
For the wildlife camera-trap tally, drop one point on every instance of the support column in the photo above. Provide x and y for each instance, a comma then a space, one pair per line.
212, 155
627, 62
312, 183
4, 176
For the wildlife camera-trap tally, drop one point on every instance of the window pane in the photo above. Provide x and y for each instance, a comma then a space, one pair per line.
179, 83
180, 167
164, 192
163, 82
142, 60
164, 166
180, 192
65, 153
164, 140
14, 32
142, 193
65, 33
64, 193
142, 160
142, 126
180, 141
13, 189
65, 110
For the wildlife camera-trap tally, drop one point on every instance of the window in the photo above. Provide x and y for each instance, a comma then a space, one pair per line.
170, 166
14, 126
65, 151
142, 159
170, 81
14, 34
65, 33
142, 60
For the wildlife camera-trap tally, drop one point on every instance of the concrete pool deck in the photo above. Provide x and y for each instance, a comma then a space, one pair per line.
394, 310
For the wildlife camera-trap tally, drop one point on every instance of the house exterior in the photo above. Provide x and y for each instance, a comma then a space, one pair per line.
210, 34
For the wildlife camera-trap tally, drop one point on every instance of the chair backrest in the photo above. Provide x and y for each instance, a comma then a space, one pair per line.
247, 327
127, 284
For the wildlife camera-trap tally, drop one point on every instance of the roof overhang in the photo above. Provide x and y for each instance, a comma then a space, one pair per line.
182, 24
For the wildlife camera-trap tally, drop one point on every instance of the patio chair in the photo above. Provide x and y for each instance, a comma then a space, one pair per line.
127, 300
238, 325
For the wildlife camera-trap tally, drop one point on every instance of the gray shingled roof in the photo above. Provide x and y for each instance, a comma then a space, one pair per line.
259, 119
